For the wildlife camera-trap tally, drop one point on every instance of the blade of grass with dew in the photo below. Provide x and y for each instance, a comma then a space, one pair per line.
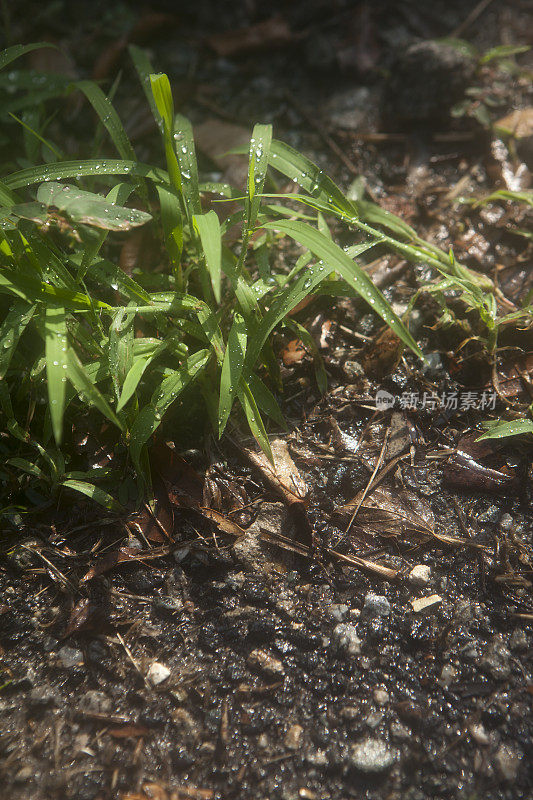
208, 228
28, 467
144, 69
253, 417
98, 495
81, 381
338, 260
109, 118
56, 352
89, 208
501, 430
231, 369
118, 194
266, 400
12, 328
162, 95
18, 50
120, 347
92, 167
149, 418
183, 141
37, 291
171, 219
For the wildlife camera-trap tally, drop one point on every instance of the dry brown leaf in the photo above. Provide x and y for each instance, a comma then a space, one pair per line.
519, 123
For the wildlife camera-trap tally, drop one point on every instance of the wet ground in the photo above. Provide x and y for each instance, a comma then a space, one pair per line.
370, 633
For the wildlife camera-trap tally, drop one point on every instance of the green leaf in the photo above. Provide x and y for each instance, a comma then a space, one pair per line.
149, 419
11, 330
144, 70
89, 208
501, 430
81, 381
83, 168
18, 50
120, 348
56, 352
27, 466
171, 219
109, 117
162, 94
208, 227
336, 259
266, 400
132, 380
96, 494
183, 142
253, 416
231, 369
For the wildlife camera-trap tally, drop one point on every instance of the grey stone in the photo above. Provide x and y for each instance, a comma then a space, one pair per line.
507, 760
372, 756
266, 663
496, 659
95, 702
70, 657
337, 611
375, 605
346, 638
250, 550
519, 640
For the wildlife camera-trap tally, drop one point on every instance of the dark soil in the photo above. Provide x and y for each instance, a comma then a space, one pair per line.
287, 671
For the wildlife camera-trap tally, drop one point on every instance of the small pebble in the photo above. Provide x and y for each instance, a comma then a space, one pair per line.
381, 697
293, 737
372, 756
346, 638
157, 673
266, 663
376, 605
420, 575
478, 733
426, 604
507, 760
70, 657
447, 675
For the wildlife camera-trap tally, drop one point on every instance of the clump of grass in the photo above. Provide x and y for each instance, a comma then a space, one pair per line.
78, 335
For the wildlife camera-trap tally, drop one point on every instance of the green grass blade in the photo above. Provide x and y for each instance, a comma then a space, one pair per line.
266, 400
34, 291
132, 380
18, 50
183, 142
231, 369
164, 103
11, 330
28, 467
208, 228
144, 70
171, 219
501, 430
81, 381
120, 347
109, 118
337, 260
98, 495
149, 418
92, 167
253, 417
89, 208
56, 352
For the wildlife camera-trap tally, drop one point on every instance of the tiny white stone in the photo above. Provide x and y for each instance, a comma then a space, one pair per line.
157, 673
425, 604
420, 575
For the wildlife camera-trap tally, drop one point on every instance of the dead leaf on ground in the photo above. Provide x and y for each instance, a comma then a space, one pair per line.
518, 123
382, 355
120, 556
293, 353
273, 32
